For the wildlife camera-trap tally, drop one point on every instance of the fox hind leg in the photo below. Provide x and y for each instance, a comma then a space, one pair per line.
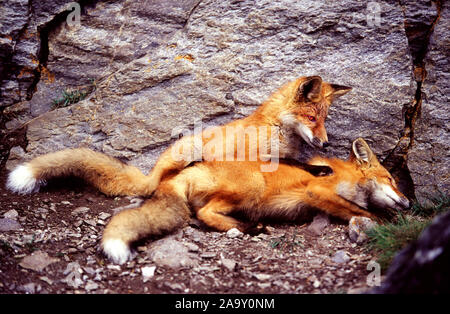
215, 215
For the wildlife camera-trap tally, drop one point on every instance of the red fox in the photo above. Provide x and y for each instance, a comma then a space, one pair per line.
297, 109
215, 190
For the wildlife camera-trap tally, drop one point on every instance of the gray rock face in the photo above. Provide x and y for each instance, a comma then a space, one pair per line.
162, 65
420, 16
24, 23
429, 159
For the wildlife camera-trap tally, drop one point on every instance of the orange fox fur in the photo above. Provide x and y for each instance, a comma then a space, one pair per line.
215, 190
297, 110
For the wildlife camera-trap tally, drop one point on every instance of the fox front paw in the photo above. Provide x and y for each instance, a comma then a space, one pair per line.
116, 250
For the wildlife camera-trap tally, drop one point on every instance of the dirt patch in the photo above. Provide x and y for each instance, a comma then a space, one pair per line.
65, 220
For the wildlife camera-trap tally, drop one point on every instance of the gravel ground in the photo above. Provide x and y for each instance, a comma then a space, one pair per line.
49, 243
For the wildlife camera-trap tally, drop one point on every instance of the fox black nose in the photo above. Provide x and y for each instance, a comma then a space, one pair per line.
316, 142
325, 144
405, 202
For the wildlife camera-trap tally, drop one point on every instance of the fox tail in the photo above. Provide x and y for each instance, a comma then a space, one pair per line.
108, 174
164, 212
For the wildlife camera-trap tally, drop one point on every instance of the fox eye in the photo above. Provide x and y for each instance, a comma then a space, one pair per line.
311, 118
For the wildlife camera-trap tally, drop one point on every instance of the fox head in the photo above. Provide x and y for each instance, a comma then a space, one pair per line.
308, 108
375, 185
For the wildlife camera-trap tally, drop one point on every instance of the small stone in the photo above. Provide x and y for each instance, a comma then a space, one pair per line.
315, 261
320, 222
316, 284
192, 247
264, 285
89, 270
262, 236
30, 288
174, 286
16, 156
42, 210
193, 234
46, 279
73, 272
80, 210
171, 253
66, 203
148, 272
340, 257
11, 214
113, 267
7, 224
90, 222
262, 277
228, 264
234, 233
208, 255
357, 228
37, 261
103, 216
256, 259
91, 286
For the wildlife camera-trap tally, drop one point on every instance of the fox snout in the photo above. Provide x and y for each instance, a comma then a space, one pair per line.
403, 202
319, 143
386, 195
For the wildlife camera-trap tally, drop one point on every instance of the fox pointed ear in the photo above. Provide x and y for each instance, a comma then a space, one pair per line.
310, 89
362, 154
338, 90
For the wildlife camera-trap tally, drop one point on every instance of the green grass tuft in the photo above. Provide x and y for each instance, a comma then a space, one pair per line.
386, 240
390, 238
68, 98
433, 205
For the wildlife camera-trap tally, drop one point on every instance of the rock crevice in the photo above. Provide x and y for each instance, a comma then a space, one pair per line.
420, 21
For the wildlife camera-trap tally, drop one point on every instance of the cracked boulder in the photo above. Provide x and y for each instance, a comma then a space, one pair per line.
429, 158
23, 25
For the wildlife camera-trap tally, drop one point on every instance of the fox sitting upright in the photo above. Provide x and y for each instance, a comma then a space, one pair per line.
215, 190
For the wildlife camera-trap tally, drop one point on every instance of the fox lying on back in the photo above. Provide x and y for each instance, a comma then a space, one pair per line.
215, 190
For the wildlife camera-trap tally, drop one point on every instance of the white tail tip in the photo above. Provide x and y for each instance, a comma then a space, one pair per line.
21, 180
116, 250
